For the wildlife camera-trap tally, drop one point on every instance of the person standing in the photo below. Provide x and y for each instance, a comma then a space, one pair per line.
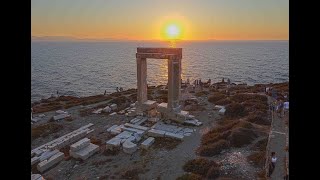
229, 81
105, 92
272, 164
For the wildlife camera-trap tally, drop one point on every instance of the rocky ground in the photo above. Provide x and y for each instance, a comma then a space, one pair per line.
165, 158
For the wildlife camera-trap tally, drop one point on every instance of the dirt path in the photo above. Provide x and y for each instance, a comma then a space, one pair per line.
277, 144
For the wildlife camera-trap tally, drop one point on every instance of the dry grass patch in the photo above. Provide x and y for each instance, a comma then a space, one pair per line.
199, 166
216, 97
202, 93
213, 172
119, 100
213, 148
44, 130
166, 143
258, 117
67, 102
101, 162
45, 107
242, 97
224, 102
235, 110
261, 145
257, 158
131, 173
95, 140
261, 175
85, 112
213, 137
241, 136
190, 176
109, 152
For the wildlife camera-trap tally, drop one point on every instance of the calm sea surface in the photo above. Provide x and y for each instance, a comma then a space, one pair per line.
90, 68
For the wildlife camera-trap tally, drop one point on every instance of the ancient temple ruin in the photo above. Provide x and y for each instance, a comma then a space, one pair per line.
172, 109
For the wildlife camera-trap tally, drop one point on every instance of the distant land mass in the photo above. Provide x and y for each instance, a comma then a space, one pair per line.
70, 38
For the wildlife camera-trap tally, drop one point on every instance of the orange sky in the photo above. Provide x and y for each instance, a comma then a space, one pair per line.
145, 19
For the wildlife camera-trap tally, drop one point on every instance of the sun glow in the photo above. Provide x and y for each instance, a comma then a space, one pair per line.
173, 32
173, 28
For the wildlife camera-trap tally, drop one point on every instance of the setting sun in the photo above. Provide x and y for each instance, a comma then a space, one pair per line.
172, 27
173, 31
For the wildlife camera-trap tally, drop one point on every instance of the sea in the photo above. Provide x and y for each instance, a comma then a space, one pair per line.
79, 68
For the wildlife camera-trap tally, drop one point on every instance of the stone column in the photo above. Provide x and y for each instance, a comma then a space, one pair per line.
174, 83
142, 80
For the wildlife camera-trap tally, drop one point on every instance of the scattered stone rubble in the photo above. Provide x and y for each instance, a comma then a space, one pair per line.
221, 109
83, 149
128, 135
46, 164
36, 177
48, 154
147, 143
37, 118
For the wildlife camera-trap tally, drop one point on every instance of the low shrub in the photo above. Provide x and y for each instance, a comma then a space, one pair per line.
44, 130
202, 93
162, 91
162, 98
225, 127
133, 97
66, 98
210, 138
199, 166
190, 176
258, 117
245, 97
216, 97
166, 143
119, 100
132, 173
223, 102
150, 97
241, 136
235, 110
213, 172
257, 158
260, 145
85, 112
95, 141
213, 149
51, 106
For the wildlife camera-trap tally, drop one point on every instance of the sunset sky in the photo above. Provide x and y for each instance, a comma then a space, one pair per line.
147, 19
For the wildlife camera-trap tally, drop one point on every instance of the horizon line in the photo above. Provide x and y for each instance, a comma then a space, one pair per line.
70, 38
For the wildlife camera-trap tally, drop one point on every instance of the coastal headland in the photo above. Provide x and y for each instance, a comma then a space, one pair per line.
229, 144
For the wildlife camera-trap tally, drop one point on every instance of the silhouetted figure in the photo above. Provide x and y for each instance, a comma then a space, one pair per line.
229, 81
223, 80
117, 89
273, 160
57, 93
105, 92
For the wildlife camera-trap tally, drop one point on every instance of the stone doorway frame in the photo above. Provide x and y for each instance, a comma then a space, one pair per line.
174, 56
